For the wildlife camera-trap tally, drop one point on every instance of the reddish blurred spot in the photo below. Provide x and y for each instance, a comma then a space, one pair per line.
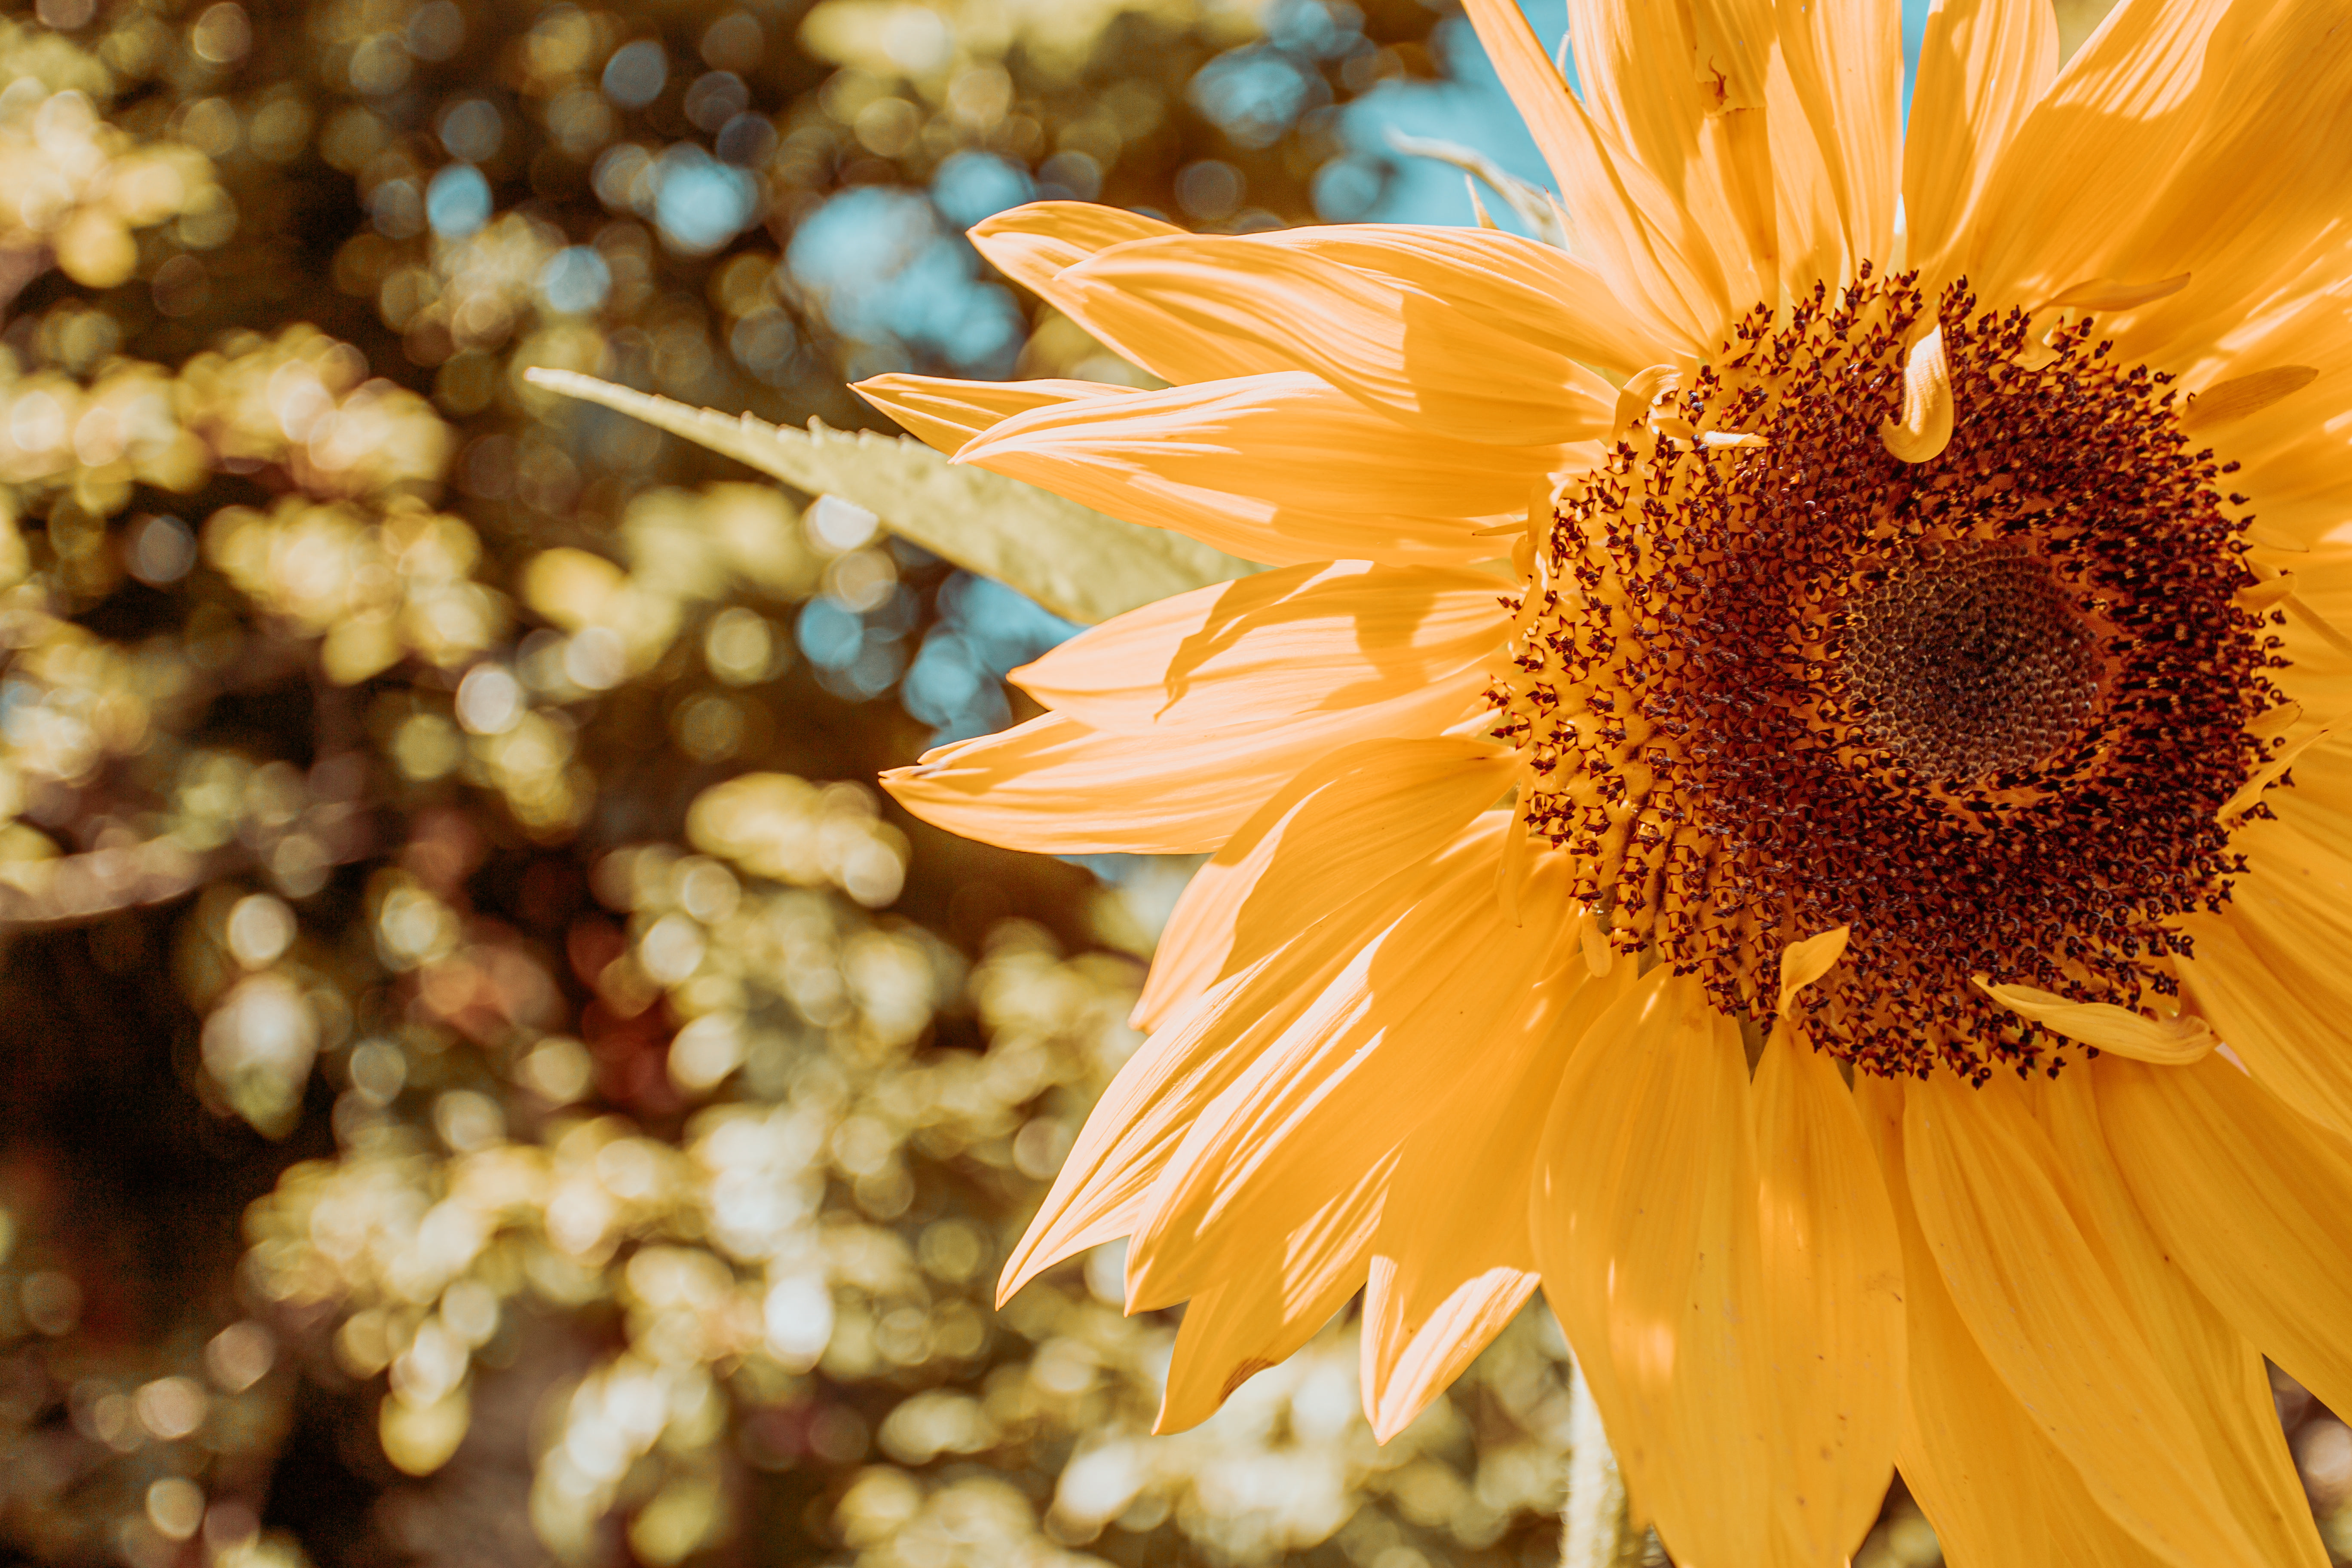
551, 891
632, 1056
443, 850
593, 944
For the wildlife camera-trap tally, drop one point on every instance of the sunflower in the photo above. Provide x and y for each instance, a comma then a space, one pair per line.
1778, 783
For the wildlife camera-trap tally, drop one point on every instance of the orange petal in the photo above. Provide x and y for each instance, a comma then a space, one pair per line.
1060, 787
1345, 822
1281, 468
1983, 64
944, 414
1844, 64
1831, 1267
1030, 244
2090, 157
1644, 1224
1450, 1263
1513, 283
1657, 260
2253, 1201
1418, 355
1284, 644
2269, 970
1990, 1195
1996, 1490
1034, 245
2219, 1375
1178, 1074
1448, 990
1257, 1316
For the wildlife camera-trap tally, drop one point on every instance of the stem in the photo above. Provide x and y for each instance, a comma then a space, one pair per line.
1595, 1527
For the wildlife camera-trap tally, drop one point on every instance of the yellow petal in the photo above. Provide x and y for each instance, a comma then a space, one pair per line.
2090, 156
1731, 41
1098, 1195
1832, 1267
1281, 468
2269, 969
944, 414
1982, 65
1811, 233
1641, 389
1644, 1225
2171, 1041
2229, 401
2104, 294
1257, 1316
2253, 1201
1416, 354
2251, 202
2286, 1024
1997, 1494
1844, 62
1030, 244
1173, 1079
1035, 245
1517, 284
1060, 787
2219, 1375
1987, 1188
1688, 108
1284, 645
1926, 425
1448, 990
1803, 962
1345, 822
1451, 1263
1637, 235
1418, 1356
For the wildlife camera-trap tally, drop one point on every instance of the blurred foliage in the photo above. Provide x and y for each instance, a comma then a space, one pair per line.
473, 1098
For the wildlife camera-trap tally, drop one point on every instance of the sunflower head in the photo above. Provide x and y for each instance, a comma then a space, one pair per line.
1889, 685
1774, 674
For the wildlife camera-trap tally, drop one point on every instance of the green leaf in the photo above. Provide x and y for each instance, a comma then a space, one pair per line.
1078, 562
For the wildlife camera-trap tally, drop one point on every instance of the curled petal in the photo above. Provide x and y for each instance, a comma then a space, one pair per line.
2242, 395
2170, 1042
1803, 962
1927, 426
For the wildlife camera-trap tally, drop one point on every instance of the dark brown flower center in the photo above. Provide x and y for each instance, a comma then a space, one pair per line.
1972, 665
1984, 709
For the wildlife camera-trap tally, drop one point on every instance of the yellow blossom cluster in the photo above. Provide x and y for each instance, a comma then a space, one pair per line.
75, 188
351, 557
306, 403
683, 549
373, 590
955, 49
